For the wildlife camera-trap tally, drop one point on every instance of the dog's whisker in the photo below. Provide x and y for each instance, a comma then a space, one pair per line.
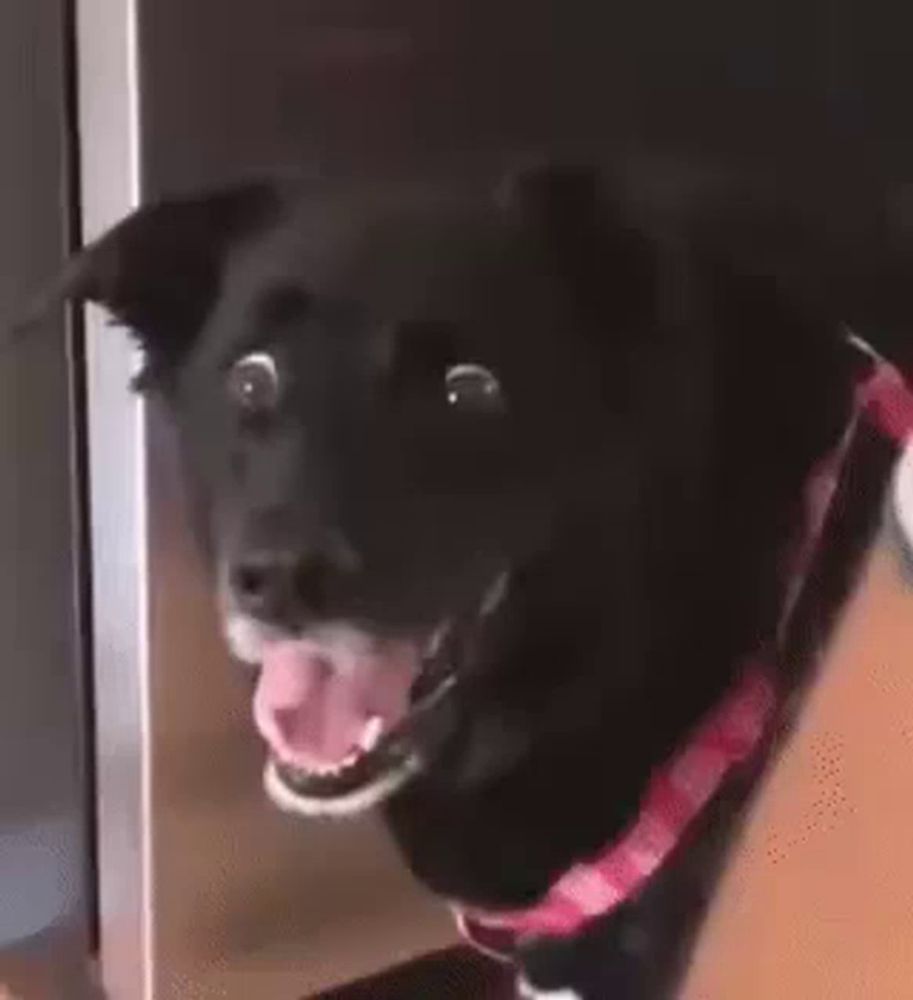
495, 594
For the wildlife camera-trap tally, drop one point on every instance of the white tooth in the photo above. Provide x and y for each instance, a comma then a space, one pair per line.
495, 594
350, 758
371, 734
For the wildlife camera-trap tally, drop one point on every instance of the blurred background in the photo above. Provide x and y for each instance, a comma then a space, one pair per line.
133, 832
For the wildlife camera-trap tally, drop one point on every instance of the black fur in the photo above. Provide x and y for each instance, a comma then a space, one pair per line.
666, 398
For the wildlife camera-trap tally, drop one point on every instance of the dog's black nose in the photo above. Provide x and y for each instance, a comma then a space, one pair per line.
283, 587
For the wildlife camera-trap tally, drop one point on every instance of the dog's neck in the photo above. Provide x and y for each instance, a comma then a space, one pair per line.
504, 844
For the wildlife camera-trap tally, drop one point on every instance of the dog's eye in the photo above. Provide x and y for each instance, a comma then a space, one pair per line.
473, 388
253, 383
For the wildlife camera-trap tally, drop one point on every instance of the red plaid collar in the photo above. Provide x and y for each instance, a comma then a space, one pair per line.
727, 737
674, 797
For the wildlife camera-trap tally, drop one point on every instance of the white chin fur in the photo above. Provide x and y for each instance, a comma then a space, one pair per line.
350, 804
526, 991
244, 637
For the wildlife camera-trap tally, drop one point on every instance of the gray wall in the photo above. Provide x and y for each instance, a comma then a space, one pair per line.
43, 870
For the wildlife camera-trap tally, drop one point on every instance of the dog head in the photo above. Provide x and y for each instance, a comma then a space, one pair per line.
441, 471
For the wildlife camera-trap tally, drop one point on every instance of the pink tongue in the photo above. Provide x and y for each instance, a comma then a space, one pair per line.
313, 699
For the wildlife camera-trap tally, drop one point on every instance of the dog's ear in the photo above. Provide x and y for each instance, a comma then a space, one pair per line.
590, 243
158, 272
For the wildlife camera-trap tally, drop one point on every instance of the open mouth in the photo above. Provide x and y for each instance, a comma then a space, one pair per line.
346, 714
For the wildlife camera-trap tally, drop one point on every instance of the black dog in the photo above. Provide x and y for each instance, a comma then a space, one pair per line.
498, 493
